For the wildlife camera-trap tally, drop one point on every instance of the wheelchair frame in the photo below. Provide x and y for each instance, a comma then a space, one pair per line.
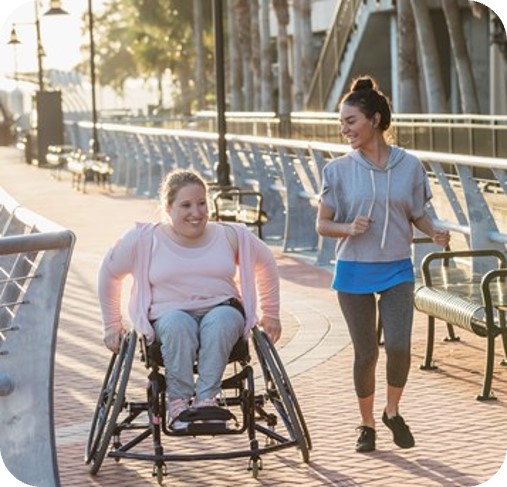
105, 433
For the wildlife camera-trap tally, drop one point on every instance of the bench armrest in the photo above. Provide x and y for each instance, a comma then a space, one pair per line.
494, 295
446, 255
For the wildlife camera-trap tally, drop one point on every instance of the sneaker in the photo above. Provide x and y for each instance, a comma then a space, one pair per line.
176, 407
366, 439
210, 402
401, 432
203, 403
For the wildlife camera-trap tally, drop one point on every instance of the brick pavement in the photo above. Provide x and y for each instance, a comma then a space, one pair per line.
460, 441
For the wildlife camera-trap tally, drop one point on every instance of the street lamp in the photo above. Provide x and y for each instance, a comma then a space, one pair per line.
48, 121
40, 51
56, 9
223, 168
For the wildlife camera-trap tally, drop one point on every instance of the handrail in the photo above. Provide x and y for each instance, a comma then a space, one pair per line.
34, 260
469, 189
332, 51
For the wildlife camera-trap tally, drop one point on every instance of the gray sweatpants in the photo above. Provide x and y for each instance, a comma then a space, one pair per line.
397, 312
209, 339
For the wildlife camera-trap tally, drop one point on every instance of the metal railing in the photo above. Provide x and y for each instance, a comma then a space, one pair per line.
34, 259
288, 174
483, 135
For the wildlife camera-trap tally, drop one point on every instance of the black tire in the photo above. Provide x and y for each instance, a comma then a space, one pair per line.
110, 403
280, 392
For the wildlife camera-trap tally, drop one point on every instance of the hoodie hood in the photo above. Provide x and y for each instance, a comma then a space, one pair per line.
395, 157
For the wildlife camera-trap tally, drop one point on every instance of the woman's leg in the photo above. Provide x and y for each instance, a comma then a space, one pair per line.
220, 329
397, 311
359, 311
177, 333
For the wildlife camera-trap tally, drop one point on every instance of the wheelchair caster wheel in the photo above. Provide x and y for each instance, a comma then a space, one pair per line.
160, 472
255, 467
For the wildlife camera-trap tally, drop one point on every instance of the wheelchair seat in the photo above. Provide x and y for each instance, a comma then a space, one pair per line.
255, 405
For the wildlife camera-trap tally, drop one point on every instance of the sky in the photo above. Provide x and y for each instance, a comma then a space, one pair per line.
61, 34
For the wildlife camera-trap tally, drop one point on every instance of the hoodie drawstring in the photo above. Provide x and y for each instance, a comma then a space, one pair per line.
386, 221
370, 211
374, 189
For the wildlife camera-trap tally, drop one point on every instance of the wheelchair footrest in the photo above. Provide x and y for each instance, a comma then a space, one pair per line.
207, 413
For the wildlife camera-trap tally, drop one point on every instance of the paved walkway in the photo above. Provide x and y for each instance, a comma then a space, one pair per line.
460, 441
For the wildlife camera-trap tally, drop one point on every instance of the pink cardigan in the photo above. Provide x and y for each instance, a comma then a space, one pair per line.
131, 255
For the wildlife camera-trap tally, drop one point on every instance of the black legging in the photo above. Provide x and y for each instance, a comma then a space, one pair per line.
397, 312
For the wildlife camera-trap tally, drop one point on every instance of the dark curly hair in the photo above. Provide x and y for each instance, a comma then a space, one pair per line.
365, 94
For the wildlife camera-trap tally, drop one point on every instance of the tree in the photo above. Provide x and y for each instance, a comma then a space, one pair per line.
434, 85
303, 27
200, 76
469, 101
266, 73
284, 82
242, 17
409, 99
256, 54
235, 78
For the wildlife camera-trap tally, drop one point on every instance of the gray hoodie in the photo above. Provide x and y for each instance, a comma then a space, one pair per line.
393, 197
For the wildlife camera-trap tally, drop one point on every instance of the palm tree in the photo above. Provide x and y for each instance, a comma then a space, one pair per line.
409, 99
242, 16
256, 54
235, 77
266, 73
284, 82
307, 56
200, 85
434, 85
469, 101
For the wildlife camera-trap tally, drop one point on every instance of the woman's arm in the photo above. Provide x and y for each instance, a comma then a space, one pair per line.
327, 227
268, 285
425, 225
115, 265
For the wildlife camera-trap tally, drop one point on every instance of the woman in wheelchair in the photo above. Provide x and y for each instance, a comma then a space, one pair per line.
185, 294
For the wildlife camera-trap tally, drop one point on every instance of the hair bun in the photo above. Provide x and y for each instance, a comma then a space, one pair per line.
363, 84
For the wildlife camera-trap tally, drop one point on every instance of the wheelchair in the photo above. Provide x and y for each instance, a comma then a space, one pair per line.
272, 413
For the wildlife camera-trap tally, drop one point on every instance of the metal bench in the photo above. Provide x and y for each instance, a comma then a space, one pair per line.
89, 167
240, 205
453, 290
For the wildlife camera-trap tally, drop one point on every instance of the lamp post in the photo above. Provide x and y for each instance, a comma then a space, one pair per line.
14, 41
56, 9
223, 169
47, 125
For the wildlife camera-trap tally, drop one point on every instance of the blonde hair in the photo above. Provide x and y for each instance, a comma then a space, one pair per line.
174, 181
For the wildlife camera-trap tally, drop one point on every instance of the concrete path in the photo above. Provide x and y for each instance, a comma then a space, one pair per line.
459, 441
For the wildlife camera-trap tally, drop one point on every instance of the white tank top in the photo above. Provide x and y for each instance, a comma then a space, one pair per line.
191, 279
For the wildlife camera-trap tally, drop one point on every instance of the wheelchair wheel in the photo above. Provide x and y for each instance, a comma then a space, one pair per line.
280, 392
110, 403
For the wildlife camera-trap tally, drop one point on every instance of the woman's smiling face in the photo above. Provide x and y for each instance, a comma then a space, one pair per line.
355, 127
189, 211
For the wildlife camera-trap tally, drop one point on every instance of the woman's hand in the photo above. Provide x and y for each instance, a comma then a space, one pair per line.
113, 336
272, 327
360, 225
441, 237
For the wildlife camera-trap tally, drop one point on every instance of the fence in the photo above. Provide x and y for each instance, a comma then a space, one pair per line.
287, 172
34, 259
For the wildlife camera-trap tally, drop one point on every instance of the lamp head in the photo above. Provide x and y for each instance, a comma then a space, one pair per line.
13, 40
55, 8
